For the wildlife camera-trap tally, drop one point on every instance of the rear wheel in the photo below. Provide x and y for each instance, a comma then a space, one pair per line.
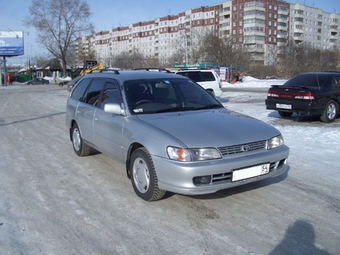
285, 114
330, 112
79, 146
143, 176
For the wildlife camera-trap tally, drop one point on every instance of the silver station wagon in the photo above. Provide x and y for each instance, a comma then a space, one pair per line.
171, 134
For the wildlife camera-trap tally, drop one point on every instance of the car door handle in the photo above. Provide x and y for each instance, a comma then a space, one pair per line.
96, 119
78, 111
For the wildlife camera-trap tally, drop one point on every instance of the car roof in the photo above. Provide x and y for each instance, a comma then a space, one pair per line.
134, 75
195, 70
325, 72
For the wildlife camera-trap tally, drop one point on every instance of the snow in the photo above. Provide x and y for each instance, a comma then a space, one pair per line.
313, 144
251, 82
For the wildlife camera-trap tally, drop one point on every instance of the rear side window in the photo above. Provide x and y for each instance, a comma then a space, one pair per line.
207, 76
199, 76
93, 92
79, 90
195, 76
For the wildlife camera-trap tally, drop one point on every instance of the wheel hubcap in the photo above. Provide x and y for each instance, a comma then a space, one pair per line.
331, 110
141, 176
76, 139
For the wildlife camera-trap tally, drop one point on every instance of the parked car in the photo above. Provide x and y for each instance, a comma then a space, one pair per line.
314, 93
170, 133
37, 81
72, 82
208, 79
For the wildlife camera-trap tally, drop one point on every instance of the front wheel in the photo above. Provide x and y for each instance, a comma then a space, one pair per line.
79, 146
330, 112
143, 176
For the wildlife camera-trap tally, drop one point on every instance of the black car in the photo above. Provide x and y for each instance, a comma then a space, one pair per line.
314, 93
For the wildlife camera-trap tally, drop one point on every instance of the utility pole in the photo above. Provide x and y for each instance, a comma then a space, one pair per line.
5, 72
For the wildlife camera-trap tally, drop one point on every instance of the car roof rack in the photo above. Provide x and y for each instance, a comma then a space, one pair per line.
105, 70
153, 69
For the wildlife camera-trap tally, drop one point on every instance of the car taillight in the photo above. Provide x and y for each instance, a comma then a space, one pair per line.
305, 96
270, 94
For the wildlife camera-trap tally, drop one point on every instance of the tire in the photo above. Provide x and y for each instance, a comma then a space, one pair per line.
330, 112
285, 114
79, 146
143, 176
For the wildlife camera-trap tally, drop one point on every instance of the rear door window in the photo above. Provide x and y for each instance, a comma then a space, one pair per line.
80, 89
93, 93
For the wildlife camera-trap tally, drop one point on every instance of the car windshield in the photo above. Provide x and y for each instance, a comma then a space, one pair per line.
168, 95
307, 80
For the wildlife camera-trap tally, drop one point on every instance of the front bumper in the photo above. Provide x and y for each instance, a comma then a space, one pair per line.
178, 177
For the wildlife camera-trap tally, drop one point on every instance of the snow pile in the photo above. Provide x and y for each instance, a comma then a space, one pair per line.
251, 82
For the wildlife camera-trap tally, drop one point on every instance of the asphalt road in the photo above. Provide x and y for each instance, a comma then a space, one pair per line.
53, 202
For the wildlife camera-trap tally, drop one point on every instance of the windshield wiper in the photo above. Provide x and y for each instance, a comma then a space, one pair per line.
176, 109
209, 106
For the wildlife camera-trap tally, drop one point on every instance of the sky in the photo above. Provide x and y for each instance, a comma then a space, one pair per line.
107, 14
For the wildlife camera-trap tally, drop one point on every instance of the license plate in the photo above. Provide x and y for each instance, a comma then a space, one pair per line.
284, 106
250, 172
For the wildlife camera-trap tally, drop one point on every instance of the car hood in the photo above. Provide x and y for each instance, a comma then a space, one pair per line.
211, 128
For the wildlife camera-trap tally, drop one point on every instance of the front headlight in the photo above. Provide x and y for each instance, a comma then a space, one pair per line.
275, 142
188, 155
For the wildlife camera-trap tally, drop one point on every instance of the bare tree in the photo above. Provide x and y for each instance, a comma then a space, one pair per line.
218, 50
177, 57
59, 23
196, 49
126, 60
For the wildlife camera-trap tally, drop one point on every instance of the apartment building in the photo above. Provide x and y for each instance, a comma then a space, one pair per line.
314, 27
264, 27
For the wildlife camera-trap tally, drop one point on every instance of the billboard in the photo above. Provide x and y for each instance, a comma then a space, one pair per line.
11, 43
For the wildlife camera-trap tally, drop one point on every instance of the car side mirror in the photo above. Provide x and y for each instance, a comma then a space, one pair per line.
114, 108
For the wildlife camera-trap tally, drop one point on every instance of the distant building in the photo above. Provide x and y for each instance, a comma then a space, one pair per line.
265, 27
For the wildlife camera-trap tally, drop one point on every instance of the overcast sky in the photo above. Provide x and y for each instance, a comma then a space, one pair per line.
107, 14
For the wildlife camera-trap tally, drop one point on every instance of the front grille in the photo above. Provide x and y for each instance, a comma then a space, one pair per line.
228, 150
